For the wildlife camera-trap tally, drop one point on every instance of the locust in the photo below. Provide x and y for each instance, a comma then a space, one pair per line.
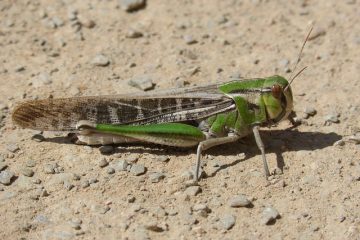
200, 116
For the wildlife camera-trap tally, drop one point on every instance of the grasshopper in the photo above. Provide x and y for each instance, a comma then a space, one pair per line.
202, 116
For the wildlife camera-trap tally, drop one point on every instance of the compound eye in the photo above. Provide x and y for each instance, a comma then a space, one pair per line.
276, 91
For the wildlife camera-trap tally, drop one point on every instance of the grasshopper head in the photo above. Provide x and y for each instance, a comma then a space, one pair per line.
278, 100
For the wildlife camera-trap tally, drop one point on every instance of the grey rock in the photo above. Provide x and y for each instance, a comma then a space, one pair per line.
72, 14
239, 201
201, 209
189, 39
162, 158
6, 177
119, 165
192, 190
88, 23
85, 184
68, 185
38, 138
134, 34
103, 163
156, 177
27, 172
318, 32
41, 80
144, 82
132, 5
132, 159
2, 159
25, 183
332, 118
30, 163
58, 21
75, 223
137, 169
153, 226
110, 170
310, 111
269, 215
100, 60
19, 68
106, 149
50, 168
12, 147
3, 166
227, 221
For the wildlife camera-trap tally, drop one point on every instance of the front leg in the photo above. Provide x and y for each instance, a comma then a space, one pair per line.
208, 143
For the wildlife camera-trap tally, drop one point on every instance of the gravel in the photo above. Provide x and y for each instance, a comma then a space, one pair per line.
27, 172
132, 5
3, 166
12, 147
38, 138
100, 60
131, 33
269, 215
239, 201
110, 170
192, 190
30, 163
332, 118
144, 82
156, 177
162, 158
119, 165
107, 149
137, 169
227, 221
189, 39
103, 163
50, 168
6, 177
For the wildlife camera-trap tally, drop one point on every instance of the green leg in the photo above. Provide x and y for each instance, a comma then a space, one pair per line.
260, 145
208, 144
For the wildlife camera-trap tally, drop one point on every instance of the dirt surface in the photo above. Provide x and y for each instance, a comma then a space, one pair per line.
75, 48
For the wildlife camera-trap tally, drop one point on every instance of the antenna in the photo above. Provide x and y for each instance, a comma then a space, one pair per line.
298, 60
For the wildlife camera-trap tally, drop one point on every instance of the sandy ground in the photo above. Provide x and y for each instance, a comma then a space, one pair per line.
66, 191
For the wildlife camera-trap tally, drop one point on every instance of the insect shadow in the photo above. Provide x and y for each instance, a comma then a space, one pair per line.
276, 141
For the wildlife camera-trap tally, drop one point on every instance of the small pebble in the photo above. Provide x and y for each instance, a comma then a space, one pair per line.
120, 165
201, 209
189, 39
107, 149
239, 201
103, 163
269, 215
156, 177
110, 170
132, 5
38, 138
144, 82
5, 177
50, 168
192, 190
3, 166
58, 21
134, 34
153, 226
310, 111
132, 159
88, 23
227, 221
12, 147
162, 158
27, 172
85, 184
19, 68
137, 169
332, 118
30, 163
68, 186
317, 33
75, 223
100, 60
